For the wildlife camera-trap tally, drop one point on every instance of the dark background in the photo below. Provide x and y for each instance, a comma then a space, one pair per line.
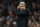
8, 8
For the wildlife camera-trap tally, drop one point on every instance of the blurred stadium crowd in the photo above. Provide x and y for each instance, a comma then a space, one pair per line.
8, 8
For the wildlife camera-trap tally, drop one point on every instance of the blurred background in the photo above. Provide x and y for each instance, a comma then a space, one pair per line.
8, 8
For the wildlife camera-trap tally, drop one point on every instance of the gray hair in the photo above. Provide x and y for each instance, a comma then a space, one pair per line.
22, 3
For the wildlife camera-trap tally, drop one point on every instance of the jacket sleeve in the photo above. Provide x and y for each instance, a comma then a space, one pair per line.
27, 12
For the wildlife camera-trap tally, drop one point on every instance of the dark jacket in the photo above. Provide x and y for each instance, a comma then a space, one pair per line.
22, 17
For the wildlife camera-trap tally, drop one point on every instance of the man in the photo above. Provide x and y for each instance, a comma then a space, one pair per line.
22, 15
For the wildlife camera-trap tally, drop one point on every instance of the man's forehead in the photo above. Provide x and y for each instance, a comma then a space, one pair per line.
21, 5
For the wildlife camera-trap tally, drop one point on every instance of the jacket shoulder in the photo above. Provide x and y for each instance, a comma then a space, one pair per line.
27, 9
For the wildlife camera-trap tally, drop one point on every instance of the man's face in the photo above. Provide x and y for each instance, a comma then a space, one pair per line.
33, 5
8, 22
22, 7
35, 13
3, 6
